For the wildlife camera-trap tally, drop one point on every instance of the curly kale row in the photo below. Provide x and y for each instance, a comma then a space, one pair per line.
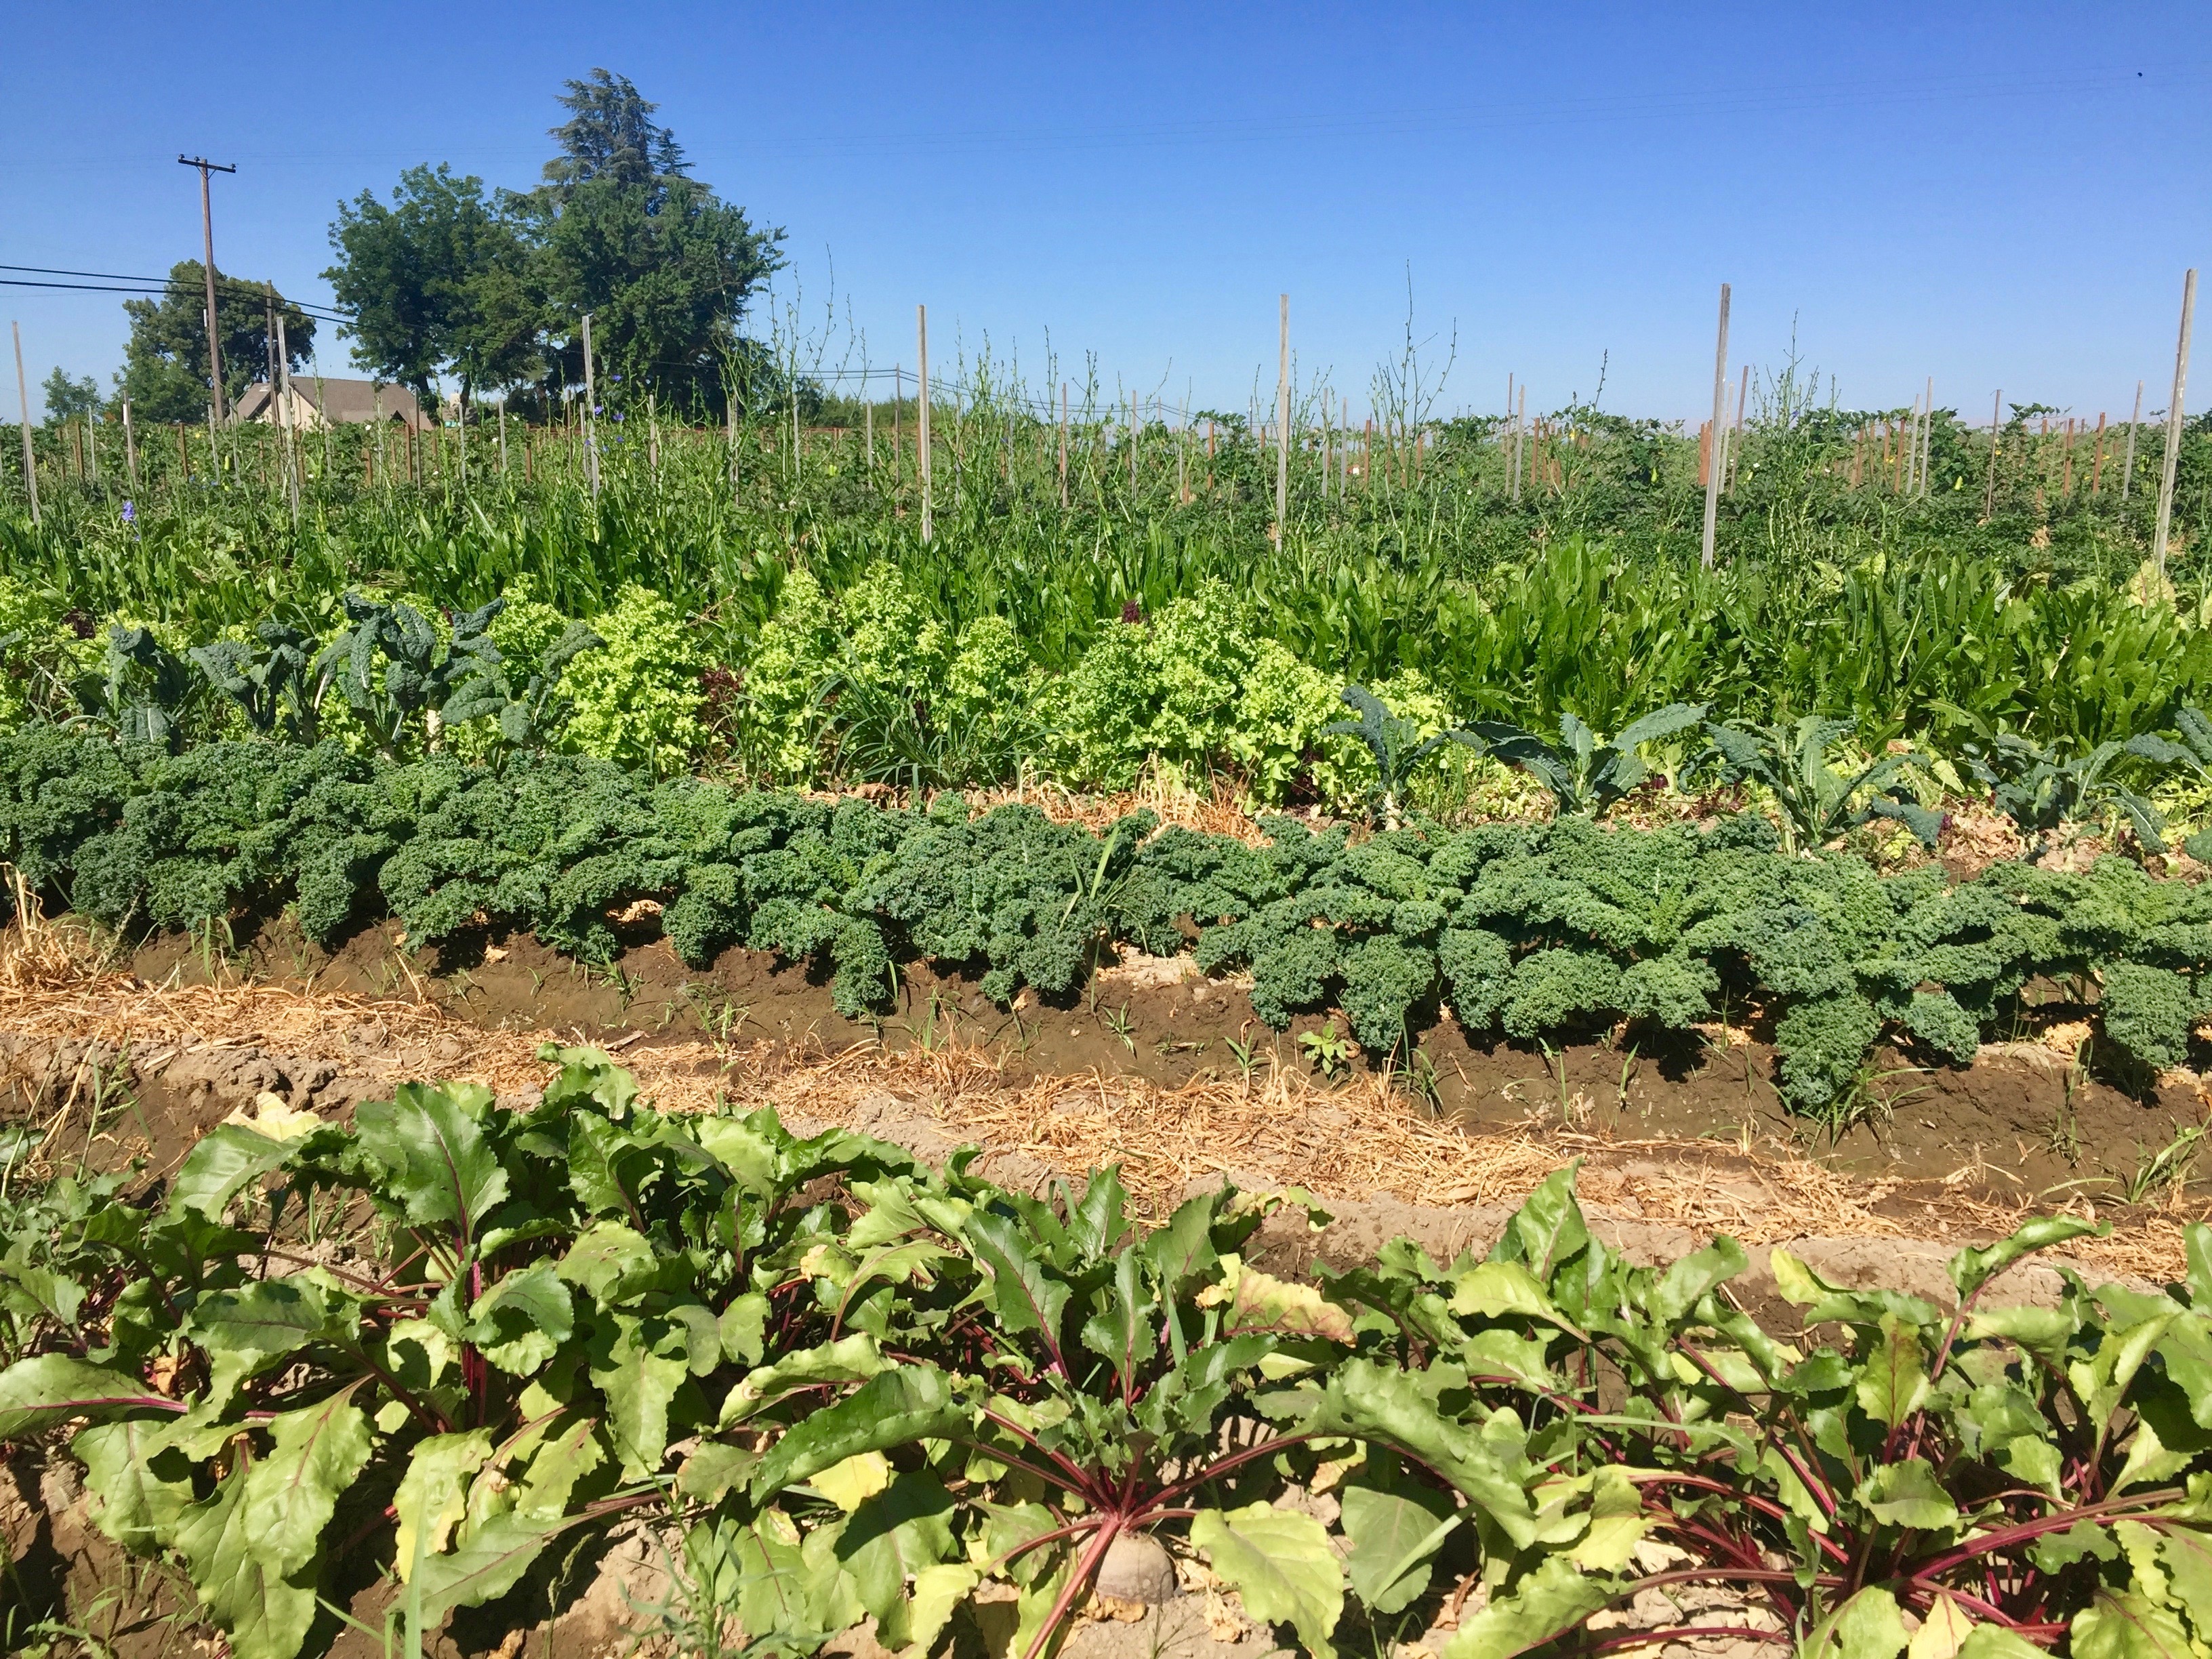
1530, 930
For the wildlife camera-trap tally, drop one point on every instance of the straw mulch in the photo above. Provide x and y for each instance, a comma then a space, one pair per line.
1359, 1142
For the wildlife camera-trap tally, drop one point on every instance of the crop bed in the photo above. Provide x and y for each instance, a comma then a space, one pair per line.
135, 1067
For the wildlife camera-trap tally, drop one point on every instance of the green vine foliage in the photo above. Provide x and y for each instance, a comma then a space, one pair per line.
1531, 931
864, 1388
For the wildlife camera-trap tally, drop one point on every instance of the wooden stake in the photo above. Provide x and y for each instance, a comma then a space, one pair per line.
2097, 466
2174, 420
2128, 466
283, 374
1720, 412
1282, 422
130, 445
591, 398
1520, 417
922, 414
1063, 447
1728, 451
2066, 469
23, 399
1996, 439
1182, 454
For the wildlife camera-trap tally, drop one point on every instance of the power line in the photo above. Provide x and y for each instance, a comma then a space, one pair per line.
161, 285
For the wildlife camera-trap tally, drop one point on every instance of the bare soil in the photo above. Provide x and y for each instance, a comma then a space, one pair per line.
2029, 1117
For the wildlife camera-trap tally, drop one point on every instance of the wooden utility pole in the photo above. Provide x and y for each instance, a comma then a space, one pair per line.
1720, 414
2174, 420
1997, 431
2128, 466
1283, 421
591, 397
23, 401
207, 238
922, 413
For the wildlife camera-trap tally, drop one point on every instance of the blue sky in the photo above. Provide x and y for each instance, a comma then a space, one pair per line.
1995, 195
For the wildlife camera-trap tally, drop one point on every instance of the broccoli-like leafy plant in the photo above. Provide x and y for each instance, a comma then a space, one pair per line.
2042, 790
1585, 774
272, 686
1817, 802
530, 716
1395, 745
392, 666
142, 691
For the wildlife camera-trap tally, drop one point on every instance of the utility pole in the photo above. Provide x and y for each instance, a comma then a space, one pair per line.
23, 397
207, 235
2174, 420
1720, 415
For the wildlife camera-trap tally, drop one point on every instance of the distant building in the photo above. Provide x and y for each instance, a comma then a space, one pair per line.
320, 401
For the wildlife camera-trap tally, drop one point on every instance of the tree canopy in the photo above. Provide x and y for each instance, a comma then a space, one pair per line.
491, 290
437, 281
67, 399
165, 366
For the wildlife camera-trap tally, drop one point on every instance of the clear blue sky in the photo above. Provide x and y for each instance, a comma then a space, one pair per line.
1997, 195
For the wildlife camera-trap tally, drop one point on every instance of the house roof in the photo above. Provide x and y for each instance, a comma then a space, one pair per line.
342, 403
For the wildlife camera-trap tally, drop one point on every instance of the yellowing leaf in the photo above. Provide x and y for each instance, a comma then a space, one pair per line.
860, 1477
1942, 1633
1258, 1302
1280, 1561
434, 1494
1616, 1523
271, 1117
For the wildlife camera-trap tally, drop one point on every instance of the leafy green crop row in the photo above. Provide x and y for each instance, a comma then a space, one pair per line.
882, 678
861, 1387
1525, 929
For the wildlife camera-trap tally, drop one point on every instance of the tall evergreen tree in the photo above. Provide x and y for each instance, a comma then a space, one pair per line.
663, 265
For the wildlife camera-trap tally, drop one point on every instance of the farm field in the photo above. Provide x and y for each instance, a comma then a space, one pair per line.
1507, 1070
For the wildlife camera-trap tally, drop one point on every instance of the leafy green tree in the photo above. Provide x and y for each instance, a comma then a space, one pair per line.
665, 266
437, 281
165, 370
68, 400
